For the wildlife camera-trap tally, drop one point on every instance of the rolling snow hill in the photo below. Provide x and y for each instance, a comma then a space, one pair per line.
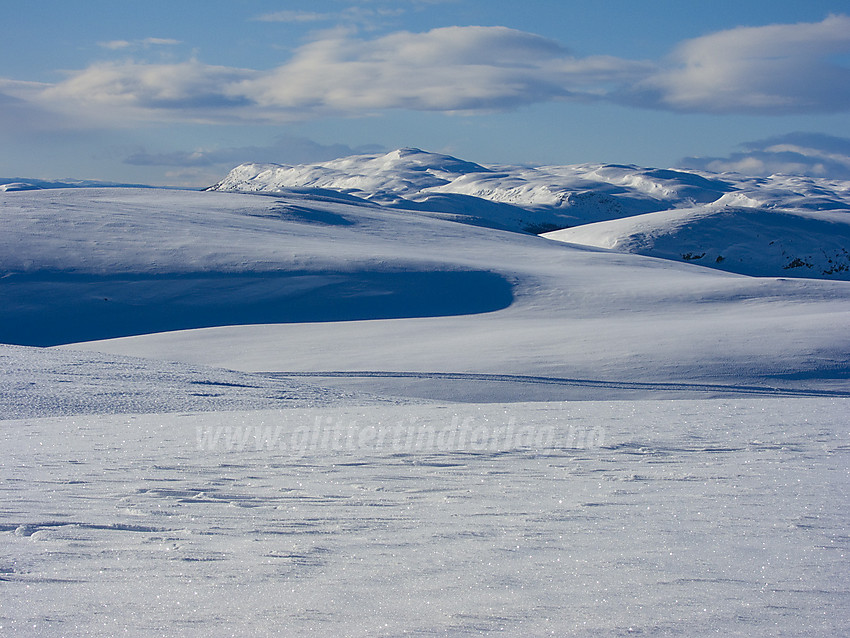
336, 411
751, 241
330, 288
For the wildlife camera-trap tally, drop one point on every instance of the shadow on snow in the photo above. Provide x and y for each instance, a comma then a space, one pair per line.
47, 309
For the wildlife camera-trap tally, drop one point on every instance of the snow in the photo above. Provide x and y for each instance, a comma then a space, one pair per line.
41, 382
750, 241
333, 409
533, 199
358, 296
633, 517
25, 184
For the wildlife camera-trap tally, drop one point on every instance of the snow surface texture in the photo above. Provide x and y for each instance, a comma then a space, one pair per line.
653, 518
38, 382
340, 417
756, 226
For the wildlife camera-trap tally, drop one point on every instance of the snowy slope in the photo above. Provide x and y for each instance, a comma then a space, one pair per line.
116, 262
334, 287
752, 241
28, 184
257, 478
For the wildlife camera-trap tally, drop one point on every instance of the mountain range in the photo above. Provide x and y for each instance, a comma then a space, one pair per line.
782, 225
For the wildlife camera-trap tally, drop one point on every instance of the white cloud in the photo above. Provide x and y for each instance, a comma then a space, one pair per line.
295, 16
129, 92
765, 70
115, 45
775, 69
285, 149
812, 154
447, 69
161, 41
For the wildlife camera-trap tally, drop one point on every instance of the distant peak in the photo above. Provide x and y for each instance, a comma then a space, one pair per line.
439, 161
410, 150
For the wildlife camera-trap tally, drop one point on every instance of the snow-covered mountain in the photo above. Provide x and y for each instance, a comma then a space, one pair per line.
580, 193
10, 184
751, 241
780, 225
519, 198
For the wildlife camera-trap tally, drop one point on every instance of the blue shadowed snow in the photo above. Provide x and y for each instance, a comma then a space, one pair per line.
52, 309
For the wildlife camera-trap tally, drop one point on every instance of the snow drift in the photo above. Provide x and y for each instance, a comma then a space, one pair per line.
116, 262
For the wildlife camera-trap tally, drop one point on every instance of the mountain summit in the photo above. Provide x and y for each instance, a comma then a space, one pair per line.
780, 225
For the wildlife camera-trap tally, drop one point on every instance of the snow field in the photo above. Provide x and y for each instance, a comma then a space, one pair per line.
326, 412
724, 516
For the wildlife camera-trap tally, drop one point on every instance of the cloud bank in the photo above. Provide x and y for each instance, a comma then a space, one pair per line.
771, 70
115, 45
452, 69
768, 70
362, 16
286, 149
811, 154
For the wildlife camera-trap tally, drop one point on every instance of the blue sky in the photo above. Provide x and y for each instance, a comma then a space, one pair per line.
178, 92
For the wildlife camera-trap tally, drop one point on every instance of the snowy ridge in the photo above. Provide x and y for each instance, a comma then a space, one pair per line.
776, 226
11, 184
750, 241
413, 175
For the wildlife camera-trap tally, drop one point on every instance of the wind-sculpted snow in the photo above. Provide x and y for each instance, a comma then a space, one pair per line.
41, 382
654, 518
93, 264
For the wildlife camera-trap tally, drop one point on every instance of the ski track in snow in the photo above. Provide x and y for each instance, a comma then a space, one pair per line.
643, 388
